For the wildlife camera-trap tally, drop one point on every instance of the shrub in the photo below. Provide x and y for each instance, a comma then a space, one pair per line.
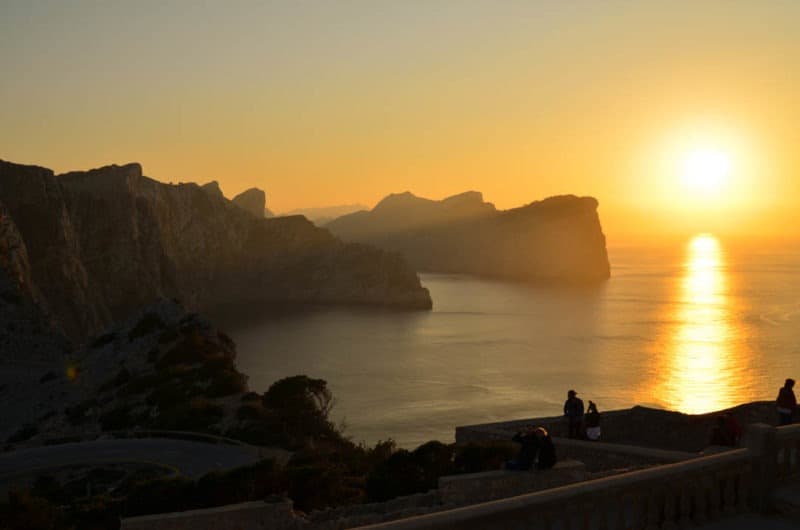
475, 457
11, 298
149, 323
102, 340
159, 496
117, 381
198, 416
249, 412
116, 419
26, 432
49, 376
31, 513
409, 472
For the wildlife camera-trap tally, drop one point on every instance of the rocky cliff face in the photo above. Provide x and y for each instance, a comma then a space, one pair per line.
253, 200
559, 238
105, 242
25, 331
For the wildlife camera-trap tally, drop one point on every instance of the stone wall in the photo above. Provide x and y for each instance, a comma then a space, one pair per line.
640, 426
453, 491
472, 488
245, 516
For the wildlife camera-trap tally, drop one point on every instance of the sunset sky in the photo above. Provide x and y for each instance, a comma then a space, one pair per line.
678, 116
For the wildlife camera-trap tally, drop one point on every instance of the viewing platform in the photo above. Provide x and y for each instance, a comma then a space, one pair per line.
595, 486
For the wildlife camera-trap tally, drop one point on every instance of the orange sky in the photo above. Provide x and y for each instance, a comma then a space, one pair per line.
323, 103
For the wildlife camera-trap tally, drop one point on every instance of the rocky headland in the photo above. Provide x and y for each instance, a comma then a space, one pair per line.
101, 244
556, 239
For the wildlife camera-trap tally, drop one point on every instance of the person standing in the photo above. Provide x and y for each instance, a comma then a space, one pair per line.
573, 410
786, 403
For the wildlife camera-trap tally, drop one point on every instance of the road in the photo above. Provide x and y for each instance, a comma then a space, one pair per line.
192, 459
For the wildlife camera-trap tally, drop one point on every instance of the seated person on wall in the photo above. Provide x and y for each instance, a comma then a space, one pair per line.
592, 421
721, 434
537, 450
725, 432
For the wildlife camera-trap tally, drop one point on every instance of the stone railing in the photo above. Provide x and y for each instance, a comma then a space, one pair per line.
787, 462
666, 496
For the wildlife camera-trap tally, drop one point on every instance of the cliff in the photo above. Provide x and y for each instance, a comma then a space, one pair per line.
253, 200
556, 239
105, 242
323, 215
25, 331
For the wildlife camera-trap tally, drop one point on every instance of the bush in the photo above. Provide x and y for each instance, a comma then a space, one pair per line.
149, 323
406, 473
160, 496
249, 412
198, 416
26, 432
117, 381
193, 348
11, 298
475, 457
102, 340
31, 513
116, 419
49, 376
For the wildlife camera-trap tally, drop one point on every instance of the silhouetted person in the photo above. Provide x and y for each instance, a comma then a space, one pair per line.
592, 422
721, 433
537, 450
733, 427
573, 410
786, 403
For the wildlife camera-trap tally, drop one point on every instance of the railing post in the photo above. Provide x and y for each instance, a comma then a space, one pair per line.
760, 439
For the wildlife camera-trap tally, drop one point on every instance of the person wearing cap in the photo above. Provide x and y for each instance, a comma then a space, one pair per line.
573, 411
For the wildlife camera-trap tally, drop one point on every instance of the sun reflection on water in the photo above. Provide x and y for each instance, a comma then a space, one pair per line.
700, 370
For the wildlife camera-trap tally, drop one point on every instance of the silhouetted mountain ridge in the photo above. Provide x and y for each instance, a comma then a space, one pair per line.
105, 242
558, 238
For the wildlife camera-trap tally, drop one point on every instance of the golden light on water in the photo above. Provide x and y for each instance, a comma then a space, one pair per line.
700, 369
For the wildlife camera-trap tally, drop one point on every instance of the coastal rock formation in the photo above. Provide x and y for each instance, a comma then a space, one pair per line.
325, 214
25, 332
556, 239
253, 200
105, 242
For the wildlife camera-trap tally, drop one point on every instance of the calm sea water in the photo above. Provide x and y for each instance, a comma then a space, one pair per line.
693, 327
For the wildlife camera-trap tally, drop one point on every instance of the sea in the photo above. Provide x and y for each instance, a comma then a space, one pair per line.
693, 326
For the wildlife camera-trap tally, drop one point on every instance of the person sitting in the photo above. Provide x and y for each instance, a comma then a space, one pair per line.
733, 427
592, 422
721, 434
537, 450
786, 403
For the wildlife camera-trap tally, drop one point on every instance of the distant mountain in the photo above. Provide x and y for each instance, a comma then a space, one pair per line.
101, 244
323, 215
253, 200
559, 238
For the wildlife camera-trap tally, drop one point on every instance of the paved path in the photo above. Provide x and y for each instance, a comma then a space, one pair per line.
192, 459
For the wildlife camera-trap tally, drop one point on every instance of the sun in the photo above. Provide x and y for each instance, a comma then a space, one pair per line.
706, 170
